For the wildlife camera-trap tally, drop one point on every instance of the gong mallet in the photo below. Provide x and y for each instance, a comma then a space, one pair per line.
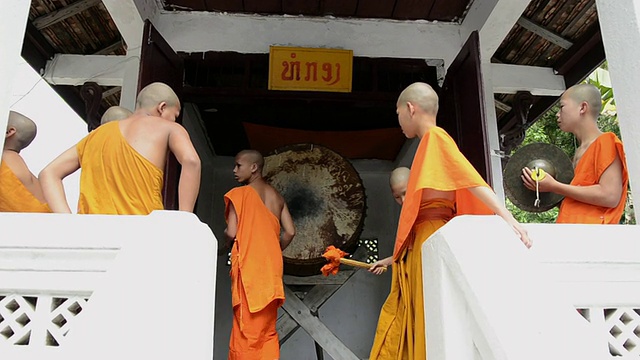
335, 257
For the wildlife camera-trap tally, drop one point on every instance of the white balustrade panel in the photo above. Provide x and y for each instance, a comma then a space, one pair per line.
104, 287
598, 266
488, 297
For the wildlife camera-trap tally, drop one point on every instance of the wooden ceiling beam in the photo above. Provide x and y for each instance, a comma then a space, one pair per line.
114, 90
544, 33
509, 79
66, 12
109, 49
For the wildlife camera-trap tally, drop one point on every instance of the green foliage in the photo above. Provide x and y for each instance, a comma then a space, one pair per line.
546, 130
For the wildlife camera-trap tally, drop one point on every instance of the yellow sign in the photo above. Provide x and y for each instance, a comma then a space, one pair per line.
297, 69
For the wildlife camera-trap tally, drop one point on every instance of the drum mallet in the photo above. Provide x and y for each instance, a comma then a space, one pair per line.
335, 257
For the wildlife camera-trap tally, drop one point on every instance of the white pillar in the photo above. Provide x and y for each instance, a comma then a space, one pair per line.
130, 81
13, 23
129, 17
493, 135
620, 28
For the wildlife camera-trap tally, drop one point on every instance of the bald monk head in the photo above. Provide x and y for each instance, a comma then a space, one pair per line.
417, 108
248, 166
20, 132
398, 182
580, 106
158, 99
115, 113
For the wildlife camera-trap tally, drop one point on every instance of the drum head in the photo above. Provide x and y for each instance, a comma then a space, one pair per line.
326, 199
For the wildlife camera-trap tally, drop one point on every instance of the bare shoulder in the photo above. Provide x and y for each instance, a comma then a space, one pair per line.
275, 195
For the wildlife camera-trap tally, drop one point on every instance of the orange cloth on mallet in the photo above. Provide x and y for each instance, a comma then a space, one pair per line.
596, 159
256, 277
333, 256
438, 164
15, 197
115, 178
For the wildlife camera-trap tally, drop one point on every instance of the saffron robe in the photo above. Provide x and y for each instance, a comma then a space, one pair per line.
595, 160
256, 277
439, 165
115, 178
14, 196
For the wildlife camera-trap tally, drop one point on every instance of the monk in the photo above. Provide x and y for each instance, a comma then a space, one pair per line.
598, 191
115, 113
122, 161
398, 182
255, 214
20, 190
442, 184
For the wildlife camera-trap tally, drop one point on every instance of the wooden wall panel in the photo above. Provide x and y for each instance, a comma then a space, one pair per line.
375, 8
339, 7
224, 5
301, 7
412, 9
447, 10
263, 6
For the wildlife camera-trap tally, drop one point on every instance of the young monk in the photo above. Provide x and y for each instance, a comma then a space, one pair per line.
598, 190
115, 113
122, 161
442, 184
255, 214
398, 182
20, 190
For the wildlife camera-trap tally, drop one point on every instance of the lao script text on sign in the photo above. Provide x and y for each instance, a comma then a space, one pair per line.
292, 68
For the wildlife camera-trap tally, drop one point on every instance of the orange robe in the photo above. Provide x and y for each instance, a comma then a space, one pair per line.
115, 178
596, 159
14, 196
439, 165
256, 278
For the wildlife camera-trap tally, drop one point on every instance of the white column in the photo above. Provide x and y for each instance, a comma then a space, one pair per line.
620, 28
129, 17
130, 81
13, 23
493, 135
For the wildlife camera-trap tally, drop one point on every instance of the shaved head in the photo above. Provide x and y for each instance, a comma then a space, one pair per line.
154, 94
115, 113
25, 128
421, 95
398, 182
399, 176
586, 93
253, 156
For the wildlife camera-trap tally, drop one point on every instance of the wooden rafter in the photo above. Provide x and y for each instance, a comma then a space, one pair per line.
109, 49
544, 33
64, 13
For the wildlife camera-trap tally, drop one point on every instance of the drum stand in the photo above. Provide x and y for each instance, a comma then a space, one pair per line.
304, 297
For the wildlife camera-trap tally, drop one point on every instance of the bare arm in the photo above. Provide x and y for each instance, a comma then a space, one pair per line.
607, 192
289, 229
189, 186
378, 266
232, 225
489, 198
51, 179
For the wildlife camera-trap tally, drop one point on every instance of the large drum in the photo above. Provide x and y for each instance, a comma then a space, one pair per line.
326, 199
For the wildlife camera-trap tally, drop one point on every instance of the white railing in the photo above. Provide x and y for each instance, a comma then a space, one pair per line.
488, 297
88, 286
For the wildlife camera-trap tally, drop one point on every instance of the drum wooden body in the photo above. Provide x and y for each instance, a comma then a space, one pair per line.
326, 198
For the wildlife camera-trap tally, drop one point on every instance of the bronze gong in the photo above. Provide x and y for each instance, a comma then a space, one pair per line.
548, 157
326, 199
